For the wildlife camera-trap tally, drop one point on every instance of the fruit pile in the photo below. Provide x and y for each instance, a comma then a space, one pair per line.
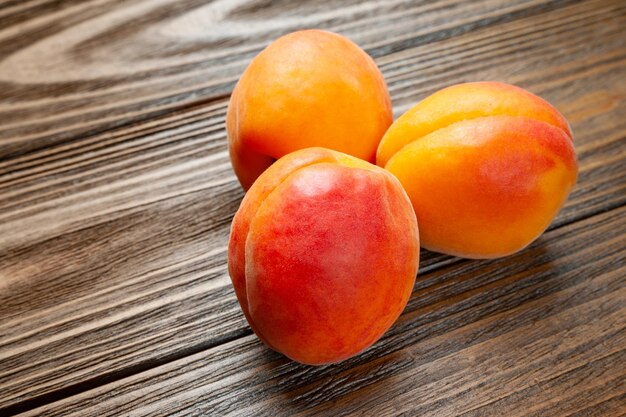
324, 249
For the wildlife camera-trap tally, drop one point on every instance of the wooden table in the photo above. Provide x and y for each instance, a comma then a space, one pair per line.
116, 196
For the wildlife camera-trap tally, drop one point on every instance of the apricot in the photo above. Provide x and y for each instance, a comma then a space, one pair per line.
323, 255
487, 166
307, 88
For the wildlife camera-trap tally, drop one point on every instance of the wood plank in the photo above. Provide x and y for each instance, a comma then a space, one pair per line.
539, 333
112, 245
107, 63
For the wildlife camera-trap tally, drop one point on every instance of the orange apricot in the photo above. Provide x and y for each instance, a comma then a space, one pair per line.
487, 166
308, 88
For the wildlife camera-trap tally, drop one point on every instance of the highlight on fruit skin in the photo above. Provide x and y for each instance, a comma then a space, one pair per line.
487, 167
308, 88
323, 255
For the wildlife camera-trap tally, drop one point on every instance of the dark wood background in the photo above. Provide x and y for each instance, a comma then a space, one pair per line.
116, 196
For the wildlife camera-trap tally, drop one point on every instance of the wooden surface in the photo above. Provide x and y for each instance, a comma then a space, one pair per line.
116, 196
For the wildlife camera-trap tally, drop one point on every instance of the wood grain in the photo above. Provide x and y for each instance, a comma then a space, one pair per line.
107, 63
539, 333
116, 193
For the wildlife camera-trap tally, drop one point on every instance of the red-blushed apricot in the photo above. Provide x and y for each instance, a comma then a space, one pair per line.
323, 255
308, 88
487, 166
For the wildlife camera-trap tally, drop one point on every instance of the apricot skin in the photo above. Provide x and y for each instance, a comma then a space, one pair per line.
308, 88
487, 167
323, 255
